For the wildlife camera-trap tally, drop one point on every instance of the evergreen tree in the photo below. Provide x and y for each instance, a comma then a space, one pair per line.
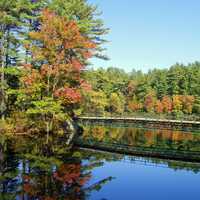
87, 17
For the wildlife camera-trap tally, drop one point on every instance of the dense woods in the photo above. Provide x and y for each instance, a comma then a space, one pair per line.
45, 47
173, 92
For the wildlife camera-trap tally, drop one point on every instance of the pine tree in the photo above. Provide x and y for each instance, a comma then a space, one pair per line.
14, 27
87, 17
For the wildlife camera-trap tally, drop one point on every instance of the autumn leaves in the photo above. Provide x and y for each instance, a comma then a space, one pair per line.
51, 84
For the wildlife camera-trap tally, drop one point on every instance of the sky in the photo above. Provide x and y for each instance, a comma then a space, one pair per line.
147, 34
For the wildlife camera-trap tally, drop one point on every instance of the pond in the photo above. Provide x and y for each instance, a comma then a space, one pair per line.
32, 169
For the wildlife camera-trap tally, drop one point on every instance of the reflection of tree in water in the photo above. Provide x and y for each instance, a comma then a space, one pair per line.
8, 169
152, 138
65, 182
68, 182
53, 173
32, 169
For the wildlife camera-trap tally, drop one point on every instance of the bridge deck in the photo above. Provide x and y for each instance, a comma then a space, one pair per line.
140, 119
147, 122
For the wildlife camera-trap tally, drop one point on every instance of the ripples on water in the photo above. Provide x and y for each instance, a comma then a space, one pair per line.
31, 169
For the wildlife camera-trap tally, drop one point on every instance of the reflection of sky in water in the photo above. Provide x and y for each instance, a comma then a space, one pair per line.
146, 178
133, 177
145, 181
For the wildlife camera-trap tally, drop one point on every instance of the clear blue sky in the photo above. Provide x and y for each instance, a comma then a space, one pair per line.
146, 34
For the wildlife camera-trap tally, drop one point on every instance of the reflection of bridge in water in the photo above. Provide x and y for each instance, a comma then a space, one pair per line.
193, 156
143, 162
149, 161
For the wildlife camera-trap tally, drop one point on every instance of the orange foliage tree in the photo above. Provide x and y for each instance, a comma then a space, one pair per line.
159, 107
134, 105
149, 102
177, 103
188, 102
52, 82
167, 104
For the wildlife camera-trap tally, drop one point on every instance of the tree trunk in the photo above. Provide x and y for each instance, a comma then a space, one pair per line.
47, 129
2, 77
6, 50
72, 132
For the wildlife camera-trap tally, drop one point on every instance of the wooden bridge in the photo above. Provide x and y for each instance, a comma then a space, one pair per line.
147, 122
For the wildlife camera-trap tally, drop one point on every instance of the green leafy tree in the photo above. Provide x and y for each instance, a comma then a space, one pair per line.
16, 19
94, 103
116, 103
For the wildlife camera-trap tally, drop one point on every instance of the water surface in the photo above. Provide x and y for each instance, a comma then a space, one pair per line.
32, 169
142, 137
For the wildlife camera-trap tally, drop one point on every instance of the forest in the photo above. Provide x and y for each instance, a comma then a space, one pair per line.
170, 93
46, 78
45, 46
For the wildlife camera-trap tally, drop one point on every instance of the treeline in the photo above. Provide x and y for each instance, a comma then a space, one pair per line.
172, 92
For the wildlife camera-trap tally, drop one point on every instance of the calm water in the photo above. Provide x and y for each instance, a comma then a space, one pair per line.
139, 137
32, 169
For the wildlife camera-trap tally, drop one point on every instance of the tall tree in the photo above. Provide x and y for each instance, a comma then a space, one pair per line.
52, 83
87, 18
16, 19
8, 21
